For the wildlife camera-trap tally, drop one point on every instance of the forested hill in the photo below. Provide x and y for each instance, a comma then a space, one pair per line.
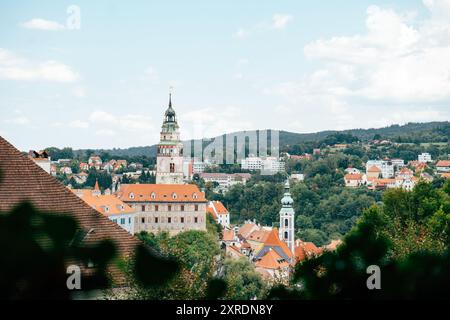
411, 132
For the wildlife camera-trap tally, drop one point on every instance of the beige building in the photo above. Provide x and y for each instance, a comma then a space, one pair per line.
165, 207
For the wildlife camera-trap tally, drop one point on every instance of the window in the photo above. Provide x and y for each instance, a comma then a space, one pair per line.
196, 207
169, 207
142, 220
169, 220
286, 222
286, 235
129, 220
182, 219
196, 220
156, 219
172, 167
194, 196
131, 195
153, 196
156, 207
143, 208
182, 207
122, 220
174, 195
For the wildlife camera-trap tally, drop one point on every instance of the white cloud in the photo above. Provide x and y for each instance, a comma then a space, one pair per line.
105, 133
79, 92
15, 68
241, 33
396, 71
42, 24
279, 21
151, 74
20, 120
125, 122
78, 124
208, 122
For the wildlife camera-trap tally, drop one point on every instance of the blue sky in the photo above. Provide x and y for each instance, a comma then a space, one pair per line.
233, 65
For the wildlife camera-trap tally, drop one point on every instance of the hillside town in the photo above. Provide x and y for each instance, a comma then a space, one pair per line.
168, 197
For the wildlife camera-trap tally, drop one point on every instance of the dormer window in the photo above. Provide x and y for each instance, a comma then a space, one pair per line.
174, 195
153, 195
131, 195
194, 196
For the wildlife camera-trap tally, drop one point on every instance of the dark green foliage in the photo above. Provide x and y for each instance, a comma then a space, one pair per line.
411, 264
152, 270
35, 250
103, 178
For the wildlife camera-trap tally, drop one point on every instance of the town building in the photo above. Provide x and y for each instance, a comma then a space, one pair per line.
41, 158
225, 180
287, 218
386, 167
297, 177
95, 162
169, 159
218, 211
353, 180
267, 165
424, 157
443, 166
109, 206
165, 207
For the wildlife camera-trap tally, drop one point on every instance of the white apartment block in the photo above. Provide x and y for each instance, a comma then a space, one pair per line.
386, 167
424, 157
266, 164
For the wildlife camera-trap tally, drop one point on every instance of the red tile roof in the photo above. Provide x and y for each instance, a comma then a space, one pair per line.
443, 163
228, 235
353, 176
160, 193
22, 180
374, 169
271, 260
304, 250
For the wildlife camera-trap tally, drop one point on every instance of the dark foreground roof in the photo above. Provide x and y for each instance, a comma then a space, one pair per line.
22, 179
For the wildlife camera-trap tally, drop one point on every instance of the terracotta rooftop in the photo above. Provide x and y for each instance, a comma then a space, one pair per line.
353, 176
305, 250
228, 235
23, 180
271, 260
160, 193
374, 169
105, 204
443, 163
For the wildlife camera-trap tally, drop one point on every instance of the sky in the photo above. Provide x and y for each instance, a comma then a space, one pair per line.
97, 74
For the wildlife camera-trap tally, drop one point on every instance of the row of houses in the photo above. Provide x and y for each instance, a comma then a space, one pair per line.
271, 256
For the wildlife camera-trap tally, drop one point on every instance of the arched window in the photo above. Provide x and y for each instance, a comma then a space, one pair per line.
153, 195
194, 196
131, 195
285, 235
286, 222
174, 195
172, 167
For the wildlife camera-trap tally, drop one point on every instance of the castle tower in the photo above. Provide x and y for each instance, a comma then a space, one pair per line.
169, 161
287, 218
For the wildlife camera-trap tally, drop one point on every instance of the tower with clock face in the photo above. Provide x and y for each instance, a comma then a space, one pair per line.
169, 161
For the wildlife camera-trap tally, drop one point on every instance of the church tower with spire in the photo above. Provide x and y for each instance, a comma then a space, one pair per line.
287, 218
169, 161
